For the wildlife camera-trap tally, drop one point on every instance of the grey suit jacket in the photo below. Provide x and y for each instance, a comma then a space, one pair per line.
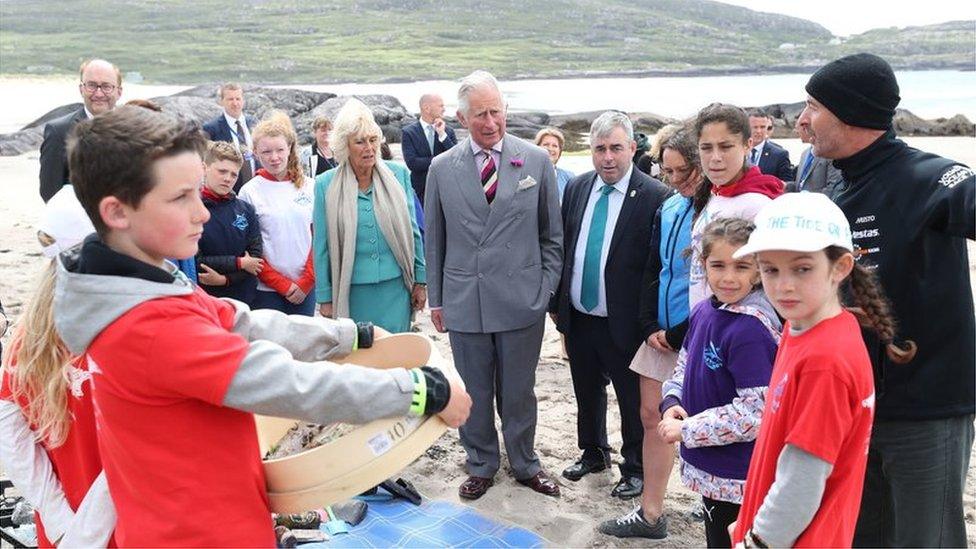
492, 268
822, 177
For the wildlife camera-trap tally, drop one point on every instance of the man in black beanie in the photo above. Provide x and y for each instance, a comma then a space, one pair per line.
911, 213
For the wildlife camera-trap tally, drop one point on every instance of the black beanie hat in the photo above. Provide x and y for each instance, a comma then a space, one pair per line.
859, 89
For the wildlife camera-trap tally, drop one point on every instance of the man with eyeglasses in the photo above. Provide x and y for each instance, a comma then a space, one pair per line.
768, 156
100, 88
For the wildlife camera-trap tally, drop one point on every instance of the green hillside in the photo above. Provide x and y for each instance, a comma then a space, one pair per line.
289, 41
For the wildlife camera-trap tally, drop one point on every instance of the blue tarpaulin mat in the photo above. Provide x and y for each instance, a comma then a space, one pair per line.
398, 523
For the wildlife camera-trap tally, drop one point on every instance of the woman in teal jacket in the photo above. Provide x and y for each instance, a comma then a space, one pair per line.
366, 246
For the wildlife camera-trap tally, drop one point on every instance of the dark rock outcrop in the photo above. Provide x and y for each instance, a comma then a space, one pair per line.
200, 104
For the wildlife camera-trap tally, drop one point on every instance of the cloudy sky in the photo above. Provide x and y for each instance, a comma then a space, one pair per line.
844, 17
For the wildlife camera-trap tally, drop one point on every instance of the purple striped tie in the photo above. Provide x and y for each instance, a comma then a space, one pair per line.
489, 177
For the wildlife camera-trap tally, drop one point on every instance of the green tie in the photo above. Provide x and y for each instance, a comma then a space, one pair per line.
590, 290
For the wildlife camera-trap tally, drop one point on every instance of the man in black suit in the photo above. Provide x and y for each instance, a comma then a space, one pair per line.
425, 139
607, 219
100, 88
233, 126
770, 157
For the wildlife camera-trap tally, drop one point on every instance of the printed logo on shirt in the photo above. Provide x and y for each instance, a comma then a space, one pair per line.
868, 402
76, 378
712, 357
303, 199
866, 233
778, 393
955, 175
241, 222
864, 219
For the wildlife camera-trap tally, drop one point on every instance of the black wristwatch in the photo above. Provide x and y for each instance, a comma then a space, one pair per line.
364, 335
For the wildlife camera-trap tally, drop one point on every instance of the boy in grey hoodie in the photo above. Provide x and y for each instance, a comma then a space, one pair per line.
177, 374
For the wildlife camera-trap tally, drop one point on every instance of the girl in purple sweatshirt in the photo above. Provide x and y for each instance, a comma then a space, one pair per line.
713, 403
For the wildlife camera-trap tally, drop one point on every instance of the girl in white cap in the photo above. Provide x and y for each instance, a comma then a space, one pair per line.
48, 445
807, 470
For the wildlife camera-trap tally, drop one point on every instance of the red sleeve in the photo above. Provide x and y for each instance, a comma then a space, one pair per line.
6, 392
277, 281
822, 413
307, 280
198, 357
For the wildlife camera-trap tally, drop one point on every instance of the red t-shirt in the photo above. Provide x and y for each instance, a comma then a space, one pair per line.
821, 400
76, 462
183, 470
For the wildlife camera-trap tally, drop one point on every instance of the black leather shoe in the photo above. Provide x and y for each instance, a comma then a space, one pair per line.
583, 467
628, 488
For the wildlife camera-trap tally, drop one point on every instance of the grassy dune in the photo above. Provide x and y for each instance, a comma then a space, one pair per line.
289, 41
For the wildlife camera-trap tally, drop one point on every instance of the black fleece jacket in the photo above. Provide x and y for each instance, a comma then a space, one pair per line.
911, 213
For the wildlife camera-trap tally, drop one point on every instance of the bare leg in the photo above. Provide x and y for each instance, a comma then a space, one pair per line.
658, 455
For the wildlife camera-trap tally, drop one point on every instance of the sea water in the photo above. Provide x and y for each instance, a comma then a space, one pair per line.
929, 94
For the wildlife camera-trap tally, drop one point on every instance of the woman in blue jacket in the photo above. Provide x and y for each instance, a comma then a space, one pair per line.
366, 246
664, 318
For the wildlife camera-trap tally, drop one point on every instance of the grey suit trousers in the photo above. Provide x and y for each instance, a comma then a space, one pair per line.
499, 368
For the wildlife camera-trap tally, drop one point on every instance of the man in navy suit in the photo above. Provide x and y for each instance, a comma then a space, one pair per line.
607, 218
233, 126
425, 139
100, 88
770, 157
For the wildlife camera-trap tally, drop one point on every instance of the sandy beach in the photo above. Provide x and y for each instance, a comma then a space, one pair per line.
566, 521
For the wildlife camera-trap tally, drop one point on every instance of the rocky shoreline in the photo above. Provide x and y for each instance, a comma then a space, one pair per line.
198, 104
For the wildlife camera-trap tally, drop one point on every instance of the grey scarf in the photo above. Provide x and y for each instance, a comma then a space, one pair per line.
392, 216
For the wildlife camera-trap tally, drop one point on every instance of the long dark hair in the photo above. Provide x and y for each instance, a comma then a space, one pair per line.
736, 120
873, 309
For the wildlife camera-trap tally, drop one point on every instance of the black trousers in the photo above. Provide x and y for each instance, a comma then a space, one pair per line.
718, 516
594, 362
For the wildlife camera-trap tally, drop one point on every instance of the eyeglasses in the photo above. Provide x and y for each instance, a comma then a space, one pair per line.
92, 87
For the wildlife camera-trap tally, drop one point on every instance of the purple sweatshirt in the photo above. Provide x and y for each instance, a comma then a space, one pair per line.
727, 348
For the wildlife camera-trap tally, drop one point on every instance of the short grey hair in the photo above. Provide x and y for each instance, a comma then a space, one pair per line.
606, 122
476, 80
354, 120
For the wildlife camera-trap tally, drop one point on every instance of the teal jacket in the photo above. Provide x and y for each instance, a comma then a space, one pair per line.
374, 261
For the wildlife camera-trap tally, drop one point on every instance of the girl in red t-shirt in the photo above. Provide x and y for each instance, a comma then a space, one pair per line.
48, 445
807, 470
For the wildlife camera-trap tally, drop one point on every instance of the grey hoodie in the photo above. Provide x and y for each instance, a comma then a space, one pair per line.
285, 372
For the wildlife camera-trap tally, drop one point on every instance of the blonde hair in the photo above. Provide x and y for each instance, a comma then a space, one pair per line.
353, 120
222, 150
321, 122
277, 124
554, 132
38, 366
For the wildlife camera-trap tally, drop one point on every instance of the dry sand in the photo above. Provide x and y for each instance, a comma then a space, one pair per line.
566, 521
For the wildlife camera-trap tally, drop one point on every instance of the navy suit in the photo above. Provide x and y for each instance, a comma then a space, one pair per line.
219, 130
417, 154
54, 153
601, 348
775, 160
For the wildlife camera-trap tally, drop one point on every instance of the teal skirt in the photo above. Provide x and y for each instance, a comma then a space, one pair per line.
386, 304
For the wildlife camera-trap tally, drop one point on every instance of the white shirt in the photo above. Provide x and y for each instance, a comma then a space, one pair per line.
615, 203
429, 129
232, 122
757, 151
248, 154
479, 153
285, 215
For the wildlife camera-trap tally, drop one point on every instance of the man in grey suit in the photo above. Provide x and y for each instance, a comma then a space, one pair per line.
814, 174
494, 254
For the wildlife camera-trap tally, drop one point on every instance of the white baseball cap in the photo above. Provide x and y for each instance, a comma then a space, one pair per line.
65, 221
800, 222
